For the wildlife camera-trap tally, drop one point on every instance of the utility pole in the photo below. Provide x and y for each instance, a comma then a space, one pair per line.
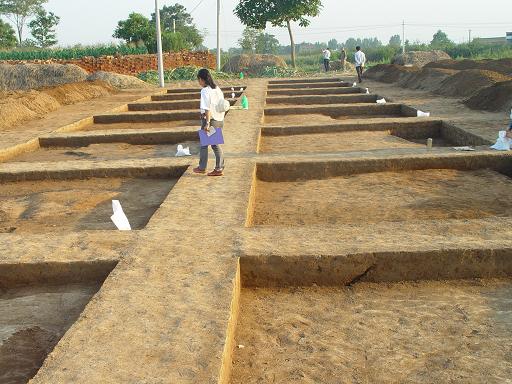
218, 35
469, 41
159, 46
173, 25
403, 37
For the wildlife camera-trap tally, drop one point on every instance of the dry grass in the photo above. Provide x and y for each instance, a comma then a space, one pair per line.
34, 76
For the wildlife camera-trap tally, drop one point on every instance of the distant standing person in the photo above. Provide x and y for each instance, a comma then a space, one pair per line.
327, 59
343, 58
360, 59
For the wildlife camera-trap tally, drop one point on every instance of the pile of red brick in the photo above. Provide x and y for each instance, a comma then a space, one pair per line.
132, 64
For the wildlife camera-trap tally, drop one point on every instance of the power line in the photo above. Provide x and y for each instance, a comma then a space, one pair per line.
197, 6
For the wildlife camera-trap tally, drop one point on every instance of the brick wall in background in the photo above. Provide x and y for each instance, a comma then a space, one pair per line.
132, 64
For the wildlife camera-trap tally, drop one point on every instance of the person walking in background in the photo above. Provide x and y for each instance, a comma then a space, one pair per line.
327, 59
360, 59
343, 59
211, 97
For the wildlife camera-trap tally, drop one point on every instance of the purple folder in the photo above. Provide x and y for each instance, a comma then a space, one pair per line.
215, 139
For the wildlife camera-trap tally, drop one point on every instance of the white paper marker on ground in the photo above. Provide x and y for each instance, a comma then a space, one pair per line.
354, 85
466, 148
180, 152
367, 91
381, 101
119, 218
423, 114
503, 142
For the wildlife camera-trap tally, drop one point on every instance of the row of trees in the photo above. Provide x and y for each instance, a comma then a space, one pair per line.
21, 13
257, 41
178, 30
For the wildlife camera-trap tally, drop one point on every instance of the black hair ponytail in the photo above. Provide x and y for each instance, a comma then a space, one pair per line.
205, 75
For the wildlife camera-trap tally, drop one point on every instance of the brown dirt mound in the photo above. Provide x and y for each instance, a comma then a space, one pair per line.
34, 76
336, 66
428, 79
420, 58
502, 66
496, 98
253, 64
19, 106
389, 73
119, 81
467, 83
76, 92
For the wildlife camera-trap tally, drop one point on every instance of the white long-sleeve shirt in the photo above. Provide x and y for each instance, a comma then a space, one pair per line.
210, 98
360, 58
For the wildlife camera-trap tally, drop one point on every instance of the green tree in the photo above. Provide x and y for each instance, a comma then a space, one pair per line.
248, 40
279, 13
135, 30
266, 44
395, 41
19, 11
440, 40
7, 36
43, 28
333, 44
177, 15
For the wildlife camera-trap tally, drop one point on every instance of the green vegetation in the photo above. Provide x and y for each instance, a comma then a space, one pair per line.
71, 53
309, 58
190, 73
181, 74
256, 41
19, 11
43, 28
7, 36
178, 30
279, 13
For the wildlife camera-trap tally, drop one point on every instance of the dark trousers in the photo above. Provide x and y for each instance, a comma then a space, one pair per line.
327, 65
360, 73
217, 150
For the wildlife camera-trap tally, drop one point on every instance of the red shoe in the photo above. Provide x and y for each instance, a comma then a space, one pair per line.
199, 170
216, 172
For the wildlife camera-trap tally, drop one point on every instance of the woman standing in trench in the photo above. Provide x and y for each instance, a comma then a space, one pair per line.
211, 97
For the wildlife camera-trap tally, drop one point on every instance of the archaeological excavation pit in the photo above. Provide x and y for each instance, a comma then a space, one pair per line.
321, 99
105, 152
421, 332
69, 205
364, 136
323, 114
315, 91
38, 304
136, 126
359, 193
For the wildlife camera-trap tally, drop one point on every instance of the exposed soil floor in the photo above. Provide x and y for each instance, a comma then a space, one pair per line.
67, 115
433, 194
101, 152
334, 142
165, 124
425, 332
32, 321
316, 118
451, 109
73, 205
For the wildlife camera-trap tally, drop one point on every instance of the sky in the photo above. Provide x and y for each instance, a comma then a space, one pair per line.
94, 21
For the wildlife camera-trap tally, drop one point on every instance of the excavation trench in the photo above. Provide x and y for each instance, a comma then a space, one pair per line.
38, 304
63, 205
